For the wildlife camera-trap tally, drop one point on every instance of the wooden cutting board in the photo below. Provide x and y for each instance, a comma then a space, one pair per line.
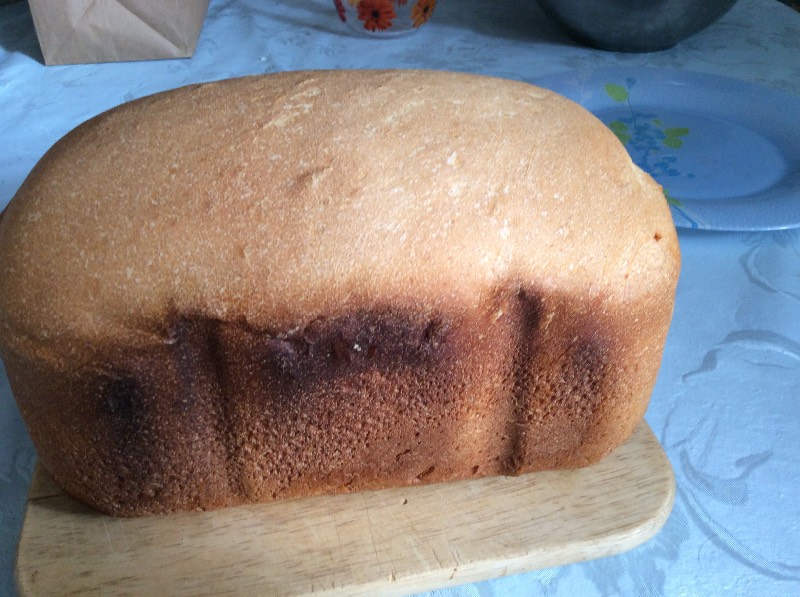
385, 542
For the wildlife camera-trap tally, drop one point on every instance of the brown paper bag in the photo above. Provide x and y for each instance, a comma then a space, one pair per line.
78, 31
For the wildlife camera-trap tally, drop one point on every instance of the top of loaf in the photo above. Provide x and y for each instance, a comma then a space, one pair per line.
274, 199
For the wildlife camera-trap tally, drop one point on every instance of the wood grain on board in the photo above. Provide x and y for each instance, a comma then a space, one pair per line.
395, 541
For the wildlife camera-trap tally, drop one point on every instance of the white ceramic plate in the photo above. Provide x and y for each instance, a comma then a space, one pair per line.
727, 152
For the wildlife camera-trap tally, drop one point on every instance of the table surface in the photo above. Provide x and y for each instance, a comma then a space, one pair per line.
726, 406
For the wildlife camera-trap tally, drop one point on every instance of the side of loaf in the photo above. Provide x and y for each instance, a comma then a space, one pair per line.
329, 281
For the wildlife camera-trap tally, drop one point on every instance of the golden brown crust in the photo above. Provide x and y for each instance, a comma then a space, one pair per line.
329, 281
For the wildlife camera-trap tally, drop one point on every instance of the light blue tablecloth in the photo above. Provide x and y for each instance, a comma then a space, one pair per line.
727, 404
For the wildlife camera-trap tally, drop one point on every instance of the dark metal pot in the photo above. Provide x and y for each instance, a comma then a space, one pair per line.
634, 25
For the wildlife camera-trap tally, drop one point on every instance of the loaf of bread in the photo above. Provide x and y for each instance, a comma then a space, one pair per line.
319, 282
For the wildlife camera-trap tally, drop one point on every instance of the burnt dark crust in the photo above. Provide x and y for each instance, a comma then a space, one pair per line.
223, 413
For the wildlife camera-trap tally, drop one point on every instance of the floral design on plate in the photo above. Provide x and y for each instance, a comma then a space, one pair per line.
648, 139
724, 165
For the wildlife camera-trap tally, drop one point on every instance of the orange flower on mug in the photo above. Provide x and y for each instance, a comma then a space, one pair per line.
422, 12
377, 15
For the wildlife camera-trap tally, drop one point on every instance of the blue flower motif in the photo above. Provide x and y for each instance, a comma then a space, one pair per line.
645, 136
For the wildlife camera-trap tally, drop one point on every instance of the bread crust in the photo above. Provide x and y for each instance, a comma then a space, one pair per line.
330, 281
